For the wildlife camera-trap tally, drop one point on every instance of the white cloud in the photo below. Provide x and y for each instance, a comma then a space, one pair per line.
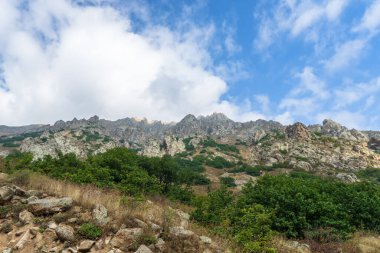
95, 64
296, 17
357, 93
334, 8
371, 18
346, 54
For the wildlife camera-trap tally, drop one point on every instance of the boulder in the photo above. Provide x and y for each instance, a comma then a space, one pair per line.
6, 193
100, 215
160, 245
205, 239
347, 177
7, 250
297, 131
49, 205
181, 232
65, 232
124, 238
86, 245
24, 239
26, 217
143, 249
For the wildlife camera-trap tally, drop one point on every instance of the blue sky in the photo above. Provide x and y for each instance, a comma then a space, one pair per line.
285, 60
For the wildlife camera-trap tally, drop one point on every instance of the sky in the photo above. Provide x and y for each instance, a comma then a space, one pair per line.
283, 60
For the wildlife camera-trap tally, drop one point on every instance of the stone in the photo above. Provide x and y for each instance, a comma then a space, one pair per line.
31, 199
181, 232
140, 223
26, 217
126, 237
205, 239
143, 249
297, 131
100, 215
69, 250
85, 245
347, 177
50, 205
65, 232
24, 239
7, 250
160, 244
6, 193
52, 225
99, 245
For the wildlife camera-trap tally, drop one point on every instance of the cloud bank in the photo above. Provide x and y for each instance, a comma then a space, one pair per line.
62, 60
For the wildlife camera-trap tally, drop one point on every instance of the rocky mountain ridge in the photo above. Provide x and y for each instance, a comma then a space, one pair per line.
329, 146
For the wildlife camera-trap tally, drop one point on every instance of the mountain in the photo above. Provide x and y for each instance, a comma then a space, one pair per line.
326, 147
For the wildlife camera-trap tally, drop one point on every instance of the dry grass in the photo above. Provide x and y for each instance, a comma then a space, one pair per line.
120, 207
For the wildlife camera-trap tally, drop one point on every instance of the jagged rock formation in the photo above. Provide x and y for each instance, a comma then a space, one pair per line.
297, 131
329, 146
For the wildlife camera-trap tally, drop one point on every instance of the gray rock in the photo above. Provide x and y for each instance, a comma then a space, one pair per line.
86, 245
100, 215
126, 237
65, 232
7, 250
50, 205
26, 217
181, 232
143, 249
6, 193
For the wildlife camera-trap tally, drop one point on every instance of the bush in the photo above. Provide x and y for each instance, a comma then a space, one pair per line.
227, 181
220, 147
89, 231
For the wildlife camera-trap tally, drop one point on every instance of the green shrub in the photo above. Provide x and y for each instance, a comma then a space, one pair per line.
227, 181
221, 147
4, 210
90, 231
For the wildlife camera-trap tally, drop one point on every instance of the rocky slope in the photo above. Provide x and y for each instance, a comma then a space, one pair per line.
33, 221
326, 147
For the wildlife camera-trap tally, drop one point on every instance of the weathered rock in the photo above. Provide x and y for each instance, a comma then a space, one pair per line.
160, 245
65, 232
26, 217
100, 215
7, 250
205, 239
69, 250
52, 225
347, 177
85, 245
143, 249
297, 131
6, 193
24, 239
50, 205
181, 232
125, 238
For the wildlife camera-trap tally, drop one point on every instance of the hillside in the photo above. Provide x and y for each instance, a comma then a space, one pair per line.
256, 186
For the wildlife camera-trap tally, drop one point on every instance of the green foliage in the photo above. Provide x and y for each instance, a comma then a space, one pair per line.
219, 162
4, 210
250, 226
14, 141
90, 231
220, 147
371, 174
120, 168
252, 170
304, 203
227, 181
188, 146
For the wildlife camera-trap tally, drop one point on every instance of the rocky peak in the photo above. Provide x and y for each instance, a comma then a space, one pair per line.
297, 131
93, 119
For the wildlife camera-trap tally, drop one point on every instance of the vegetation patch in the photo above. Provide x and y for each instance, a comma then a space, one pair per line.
90, 231
220, 147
